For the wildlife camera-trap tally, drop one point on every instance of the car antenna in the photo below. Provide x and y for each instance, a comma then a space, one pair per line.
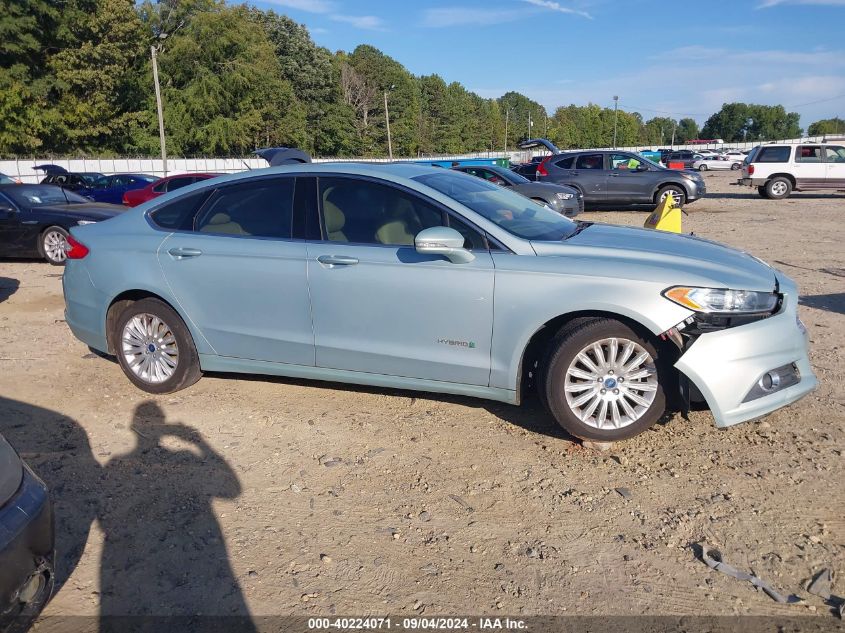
248, 168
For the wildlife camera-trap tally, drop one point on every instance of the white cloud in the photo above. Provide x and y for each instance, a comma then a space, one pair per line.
369, 22
324, 7
810, 83
311, 6
461, 16
767, 4
555, 6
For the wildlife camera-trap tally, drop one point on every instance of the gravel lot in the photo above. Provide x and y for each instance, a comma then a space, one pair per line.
291, 497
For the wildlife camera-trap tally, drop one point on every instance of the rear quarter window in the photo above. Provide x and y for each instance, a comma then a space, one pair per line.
179, 214
565, 163
772, 155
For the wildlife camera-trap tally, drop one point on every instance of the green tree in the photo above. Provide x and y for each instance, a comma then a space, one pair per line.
98, 83
687, 130
658, 131
743, 121
384, 74
517, 108
827, 126
223, 89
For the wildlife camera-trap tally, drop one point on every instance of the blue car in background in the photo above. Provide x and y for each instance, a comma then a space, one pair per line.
111, 188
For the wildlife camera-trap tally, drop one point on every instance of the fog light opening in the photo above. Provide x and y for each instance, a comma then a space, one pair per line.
770, 381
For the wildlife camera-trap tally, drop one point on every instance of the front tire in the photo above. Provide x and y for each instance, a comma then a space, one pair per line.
51, 245
702, 167
602, 381
779, 188
676, 191
154, 347
736, 166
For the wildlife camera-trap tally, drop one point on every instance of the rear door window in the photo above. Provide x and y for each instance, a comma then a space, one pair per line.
773, 155
590, 161
179, 214
808, 154
261, 208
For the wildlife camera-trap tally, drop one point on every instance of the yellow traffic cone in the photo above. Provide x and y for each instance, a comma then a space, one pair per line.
666, 217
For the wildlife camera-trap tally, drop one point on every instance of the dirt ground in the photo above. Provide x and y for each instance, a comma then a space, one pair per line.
276, 496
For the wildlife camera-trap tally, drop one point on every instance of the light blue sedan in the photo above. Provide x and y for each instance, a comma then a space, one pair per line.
415, 277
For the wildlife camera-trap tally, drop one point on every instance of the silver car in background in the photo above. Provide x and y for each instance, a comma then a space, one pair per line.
408, 276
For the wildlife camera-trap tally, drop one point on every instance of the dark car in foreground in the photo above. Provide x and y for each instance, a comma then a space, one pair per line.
111, 188
35, 219
26, 541
620, 178
565, 200
134, 197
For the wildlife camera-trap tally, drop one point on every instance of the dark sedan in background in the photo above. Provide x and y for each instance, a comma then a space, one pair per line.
35, 219
620, 178
565, 200
111, 188
27, 555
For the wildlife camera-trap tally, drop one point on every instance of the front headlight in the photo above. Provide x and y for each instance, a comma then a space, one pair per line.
721, 300
84, 222
564, 196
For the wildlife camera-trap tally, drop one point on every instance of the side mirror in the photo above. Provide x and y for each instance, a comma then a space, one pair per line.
442, 240
641, 167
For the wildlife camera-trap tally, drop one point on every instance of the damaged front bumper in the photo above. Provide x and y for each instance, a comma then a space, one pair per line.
748, 371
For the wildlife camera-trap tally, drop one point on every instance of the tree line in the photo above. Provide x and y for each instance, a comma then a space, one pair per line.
76, 79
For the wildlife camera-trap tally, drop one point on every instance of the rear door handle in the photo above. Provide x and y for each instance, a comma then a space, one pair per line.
337, 260
184, 253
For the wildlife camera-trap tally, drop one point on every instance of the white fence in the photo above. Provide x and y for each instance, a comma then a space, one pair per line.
23, 168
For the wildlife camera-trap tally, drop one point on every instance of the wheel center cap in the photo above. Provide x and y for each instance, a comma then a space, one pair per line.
610, 383
151, 348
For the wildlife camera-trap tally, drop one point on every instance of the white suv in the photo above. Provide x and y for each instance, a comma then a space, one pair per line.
778, 170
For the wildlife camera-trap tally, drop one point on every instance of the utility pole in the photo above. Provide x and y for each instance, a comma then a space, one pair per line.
615, 117
153, 51
672, 144
387, 121
529, 123
507, 116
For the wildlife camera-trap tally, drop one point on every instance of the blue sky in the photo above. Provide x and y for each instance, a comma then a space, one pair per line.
680, 57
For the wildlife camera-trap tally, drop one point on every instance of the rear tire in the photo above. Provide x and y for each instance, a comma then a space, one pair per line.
736, 166
154, 347
603, 401
675, 190
762, 191
51, 245
778, 188
703, 167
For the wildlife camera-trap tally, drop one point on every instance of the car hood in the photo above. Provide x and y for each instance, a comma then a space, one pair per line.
89, 210
660, 256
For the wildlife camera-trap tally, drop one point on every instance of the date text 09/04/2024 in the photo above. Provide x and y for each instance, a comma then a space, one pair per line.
418, 624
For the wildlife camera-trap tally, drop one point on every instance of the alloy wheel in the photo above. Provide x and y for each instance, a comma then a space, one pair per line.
611, 383
149, 348
54, 243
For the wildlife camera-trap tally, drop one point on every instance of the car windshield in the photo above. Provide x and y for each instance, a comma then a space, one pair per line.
37, 196
649, 162
512, 212
512, 176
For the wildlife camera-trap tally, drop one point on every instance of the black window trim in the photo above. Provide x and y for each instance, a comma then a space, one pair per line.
412, 192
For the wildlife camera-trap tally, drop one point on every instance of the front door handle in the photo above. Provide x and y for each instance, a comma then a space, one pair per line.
184, 253
337, 260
